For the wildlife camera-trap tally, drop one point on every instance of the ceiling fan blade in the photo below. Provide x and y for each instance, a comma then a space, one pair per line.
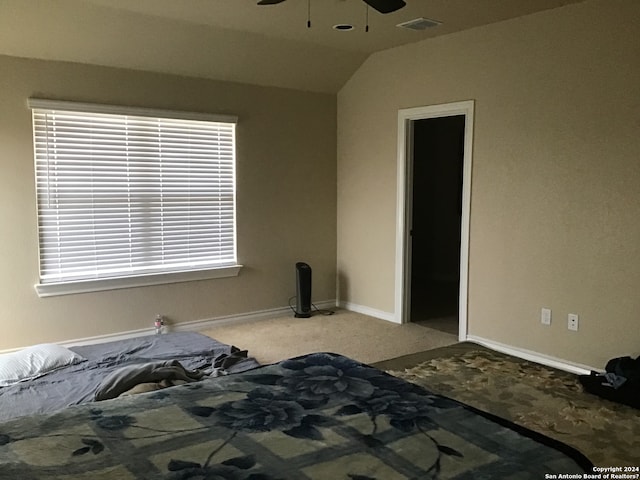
386, 6
269, 2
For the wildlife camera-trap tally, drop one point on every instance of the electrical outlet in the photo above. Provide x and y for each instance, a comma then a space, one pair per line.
545, 316
572, 322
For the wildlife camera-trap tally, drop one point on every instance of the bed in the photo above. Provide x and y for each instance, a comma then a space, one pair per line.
92, 365
319, 416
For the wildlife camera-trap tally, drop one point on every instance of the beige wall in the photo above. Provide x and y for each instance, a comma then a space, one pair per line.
286, 178
556, 174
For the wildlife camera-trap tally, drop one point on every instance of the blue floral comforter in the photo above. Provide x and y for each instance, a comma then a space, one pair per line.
320, 416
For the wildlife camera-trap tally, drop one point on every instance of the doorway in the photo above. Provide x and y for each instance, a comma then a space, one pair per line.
437, 176
434, 184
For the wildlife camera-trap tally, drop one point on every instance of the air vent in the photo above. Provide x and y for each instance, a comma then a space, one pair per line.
419, 24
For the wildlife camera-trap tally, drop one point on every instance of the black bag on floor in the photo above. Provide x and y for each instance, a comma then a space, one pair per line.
620, 383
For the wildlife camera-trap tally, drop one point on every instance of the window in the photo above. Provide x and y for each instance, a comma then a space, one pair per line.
132, 197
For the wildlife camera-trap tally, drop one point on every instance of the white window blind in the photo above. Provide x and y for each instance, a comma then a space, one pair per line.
129, 192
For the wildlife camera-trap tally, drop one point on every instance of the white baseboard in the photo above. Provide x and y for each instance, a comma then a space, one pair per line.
191, 326
244, 317
549, 361
372, 312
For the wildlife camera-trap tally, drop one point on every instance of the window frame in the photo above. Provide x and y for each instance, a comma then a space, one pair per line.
171, 275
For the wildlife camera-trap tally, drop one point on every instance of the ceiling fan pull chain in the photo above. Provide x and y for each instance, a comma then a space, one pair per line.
366, 7
308, 13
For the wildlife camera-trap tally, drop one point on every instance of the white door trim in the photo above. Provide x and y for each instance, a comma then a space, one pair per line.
406, 117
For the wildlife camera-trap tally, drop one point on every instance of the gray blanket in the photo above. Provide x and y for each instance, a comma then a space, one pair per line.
78, 383
164, 374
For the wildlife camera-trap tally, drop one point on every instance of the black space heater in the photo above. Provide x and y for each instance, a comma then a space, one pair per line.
303, 290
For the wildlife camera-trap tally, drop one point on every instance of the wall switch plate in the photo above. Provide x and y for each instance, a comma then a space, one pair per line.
545, 316
572, 322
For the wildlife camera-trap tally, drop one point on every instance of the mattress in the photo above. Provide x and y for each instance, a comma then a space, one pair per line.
78, 383
321, 416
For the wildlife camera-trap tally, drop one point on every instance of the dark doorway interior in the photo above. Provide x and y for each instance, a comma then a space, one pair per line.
438, 159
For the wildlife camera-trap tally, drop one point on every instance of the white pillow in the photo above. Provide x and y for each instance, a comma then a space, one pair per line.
33, 362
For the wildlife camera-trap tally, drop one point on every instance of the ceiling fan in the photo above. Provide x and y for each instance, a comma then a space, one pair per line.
382, 6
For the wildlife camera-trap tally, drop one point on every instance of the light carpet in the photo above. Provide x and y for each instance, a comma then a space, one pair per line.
361, 337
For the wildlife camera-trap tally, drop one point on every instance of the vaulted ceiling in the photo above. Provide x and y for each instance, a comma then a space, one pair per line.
235, 40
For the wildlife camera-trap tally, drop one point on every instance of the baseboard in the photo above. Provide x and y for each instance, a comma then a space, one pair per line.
549, 361
244, 317
191, 326
372, 312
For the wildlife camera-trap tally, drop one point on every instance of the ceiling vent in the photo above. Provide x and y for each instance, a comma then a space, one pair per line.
419, 24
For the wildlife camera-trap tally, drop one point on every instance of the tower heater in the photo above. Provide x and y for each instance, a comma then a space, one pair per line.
303, 290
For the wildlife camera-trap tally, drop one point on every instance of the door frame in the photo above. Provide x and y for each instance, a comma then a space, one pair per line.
406, 119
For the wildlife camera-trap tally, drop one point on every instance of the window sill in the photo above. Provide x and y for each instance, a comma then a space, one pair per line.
86, 286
